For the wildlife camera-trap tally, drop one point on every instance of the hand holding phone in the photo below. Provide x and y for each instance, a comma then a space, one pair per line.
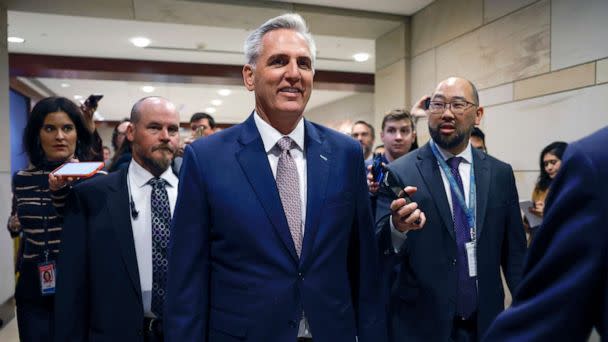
78, 170
405, 212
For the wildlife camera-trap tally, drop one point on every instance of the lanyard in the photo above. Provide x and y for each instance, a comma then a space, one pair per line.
470, 210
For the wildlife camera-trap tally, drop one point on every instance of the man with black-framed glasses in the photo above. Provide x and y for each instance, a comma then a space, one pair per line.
462, 226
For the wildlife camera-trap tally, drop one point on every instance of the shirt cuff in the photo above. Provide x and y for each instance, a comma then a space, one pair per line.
397, 237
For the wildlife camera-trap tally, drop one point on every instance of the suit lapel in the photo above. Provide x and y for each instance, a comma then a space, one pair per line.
482, 182
429, 170
318, 159
254, 162
118, 206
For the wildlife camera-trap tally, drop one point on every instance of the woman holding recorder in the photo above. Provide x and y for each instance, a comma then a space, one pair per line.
56, 132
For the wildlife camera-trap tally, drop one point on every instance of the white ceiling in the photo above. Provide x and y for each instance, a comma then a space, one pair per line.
403, 7
67, 35
63, 35
119, 96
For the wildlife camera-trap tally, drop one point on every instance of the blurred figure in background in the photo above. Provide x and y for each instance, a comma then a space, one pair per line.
122, 147
364, 133
399, 137
118, 135
107, 155
201, 125
56, 132
550, 163
478, 139
379, 149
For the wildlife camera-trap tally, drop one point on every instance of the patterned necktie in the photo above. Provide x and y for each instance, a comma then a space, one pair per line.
466, 302
289, 191
161, 220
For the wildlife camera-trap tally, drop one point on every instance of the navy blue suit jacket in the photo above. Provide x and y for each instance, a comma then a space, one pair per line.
233, 270
422, 298
564, 291
98, 290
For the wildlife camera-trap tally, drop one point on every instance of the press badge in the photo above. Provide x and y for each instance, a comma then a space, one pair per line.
472, 260
46, 271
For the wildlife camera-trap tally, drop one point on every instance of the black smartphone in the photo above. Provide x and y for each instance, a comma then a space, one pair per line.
377, 168
427, 103
393, 188
92, 101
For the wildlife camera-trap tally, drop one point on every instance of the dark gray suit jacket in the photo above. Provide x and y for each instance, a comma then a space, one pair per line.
422, 292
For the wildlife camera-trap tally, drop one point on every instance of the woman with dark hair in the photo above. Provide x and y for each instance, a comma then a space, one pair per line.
56, 132
550, 162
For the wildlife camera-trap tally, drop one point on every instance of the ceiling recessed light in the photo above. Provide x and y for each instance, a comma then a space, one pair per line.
147, 89
361, 57
65, 85
210, 110
140, 41
216, 102
17, 40
77, 97
224, 92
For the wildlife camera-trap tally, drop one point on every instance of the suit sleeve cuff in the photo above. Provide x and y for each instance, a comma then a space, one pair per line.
397, 237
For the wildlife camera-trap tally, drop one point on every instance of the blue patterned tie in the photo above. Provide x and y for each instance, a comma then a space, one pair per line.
161, 220
466, 302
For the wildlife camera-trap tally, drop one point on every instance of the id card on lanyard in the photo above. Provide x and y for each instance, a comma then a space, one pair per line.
470, 210
46, 269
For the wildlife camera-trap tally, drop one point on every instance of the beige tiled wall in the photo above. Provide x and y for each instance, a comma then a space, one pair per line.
514, 47
541, 68
494, 9
444, 20
566, 79
517, 131
496, 95
393, 46
342, 113
601, 72
424, 78
578, 32
391, 89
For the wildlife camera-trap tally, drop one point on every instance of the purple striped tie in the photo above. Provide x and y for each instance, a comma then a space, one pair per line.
289, 190
466, 302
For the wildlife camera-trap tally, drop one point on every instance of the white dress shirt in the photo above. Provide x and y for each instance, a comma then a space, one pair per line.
141, 193
464, 168
270, 137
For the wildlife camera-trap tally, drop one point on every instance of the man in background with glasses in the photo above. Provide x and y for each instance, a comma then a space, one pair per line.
449, 286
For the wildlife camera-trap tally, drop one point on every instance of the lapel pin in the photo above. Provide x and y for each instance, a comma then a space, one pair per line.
323, 157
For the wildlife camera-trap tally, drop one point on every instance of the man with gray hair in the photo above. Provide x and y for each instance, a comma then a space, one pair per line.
274, 240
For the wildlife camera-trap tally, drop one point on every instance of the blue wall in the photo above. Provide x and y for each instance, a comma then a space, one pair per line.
19, 109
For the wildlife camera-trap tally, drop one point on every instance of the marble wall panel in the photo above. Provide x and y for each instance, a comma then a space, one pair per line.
391, 89
525, 182
494, 9
496, 95
578, 32
392, 46
565, 79
351, 108
444, 20
423, 79
601, 71
514, 47
516, 132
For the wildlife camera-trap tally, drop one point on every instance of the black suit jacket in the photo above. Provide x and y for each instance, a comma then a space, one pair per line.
98, 294
422, 295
